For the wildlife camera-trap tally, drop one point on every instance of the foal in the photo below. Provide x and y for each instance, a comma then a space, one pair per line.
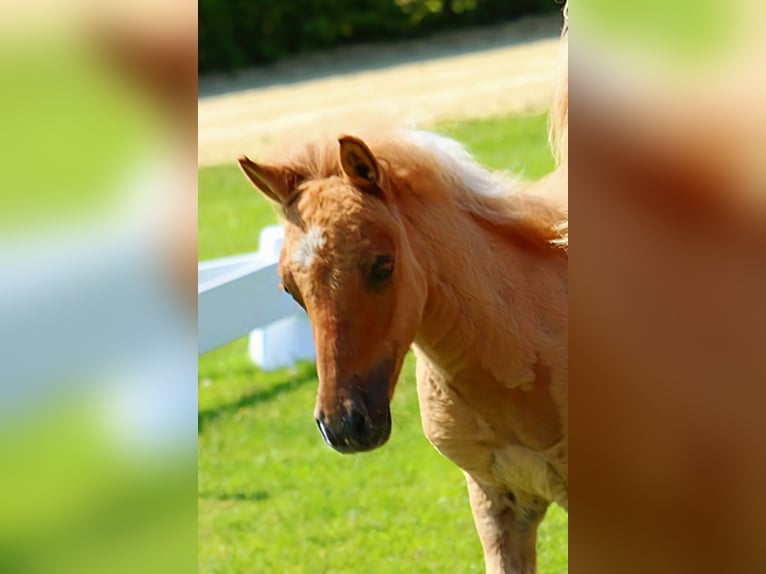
402, 239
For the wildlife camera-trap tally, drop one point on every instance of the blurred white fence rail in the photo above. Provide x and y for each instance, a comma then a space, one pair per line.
238, 296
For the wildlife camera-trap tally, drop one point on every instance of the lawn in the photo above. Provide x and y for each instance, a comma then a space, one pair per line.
272, 497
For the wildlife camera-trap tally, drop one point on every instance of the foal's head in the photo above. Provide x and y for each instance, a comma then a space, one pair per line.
347, 261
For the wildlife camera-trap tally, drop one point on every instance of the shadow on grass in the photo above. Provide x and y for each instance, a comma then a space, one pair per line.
306, 373
256, 496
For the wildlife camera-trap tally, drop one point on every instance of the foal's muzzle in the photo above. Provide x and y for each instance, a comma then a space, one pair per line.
354, 430
360, 417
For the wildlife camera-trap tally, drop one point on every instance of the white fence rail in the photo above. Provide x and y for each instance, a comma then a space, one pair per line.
238, 296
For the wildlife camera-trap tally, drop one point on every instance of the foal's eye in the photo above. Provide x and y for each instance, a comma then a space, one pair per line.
295, 298
382, 269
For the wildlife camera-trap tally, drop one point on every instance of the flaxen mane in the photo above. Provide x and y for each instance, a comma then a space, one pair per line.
559, 117
412, 155
558, 135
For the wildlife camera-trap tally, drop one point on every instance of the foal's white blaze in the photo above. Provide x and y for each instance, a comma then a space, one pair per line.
311, 242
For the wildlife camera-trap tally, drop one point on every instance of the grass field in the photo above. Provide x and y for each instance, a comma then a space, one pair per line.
272, 497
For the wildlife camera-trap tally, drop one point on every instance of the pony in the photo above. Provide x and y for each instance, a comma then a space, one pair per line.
399, 238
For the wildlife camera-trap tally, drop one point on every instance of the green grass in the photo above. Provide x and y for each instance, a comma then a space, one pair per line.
231, 212
272, 497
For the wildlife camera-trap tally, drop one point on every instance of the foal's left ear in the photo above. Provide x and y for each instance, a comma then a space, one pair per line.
358, 163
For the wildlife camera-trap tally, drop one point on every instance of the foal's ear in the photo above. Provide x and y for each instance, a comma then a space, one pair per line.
277, 183
358, 163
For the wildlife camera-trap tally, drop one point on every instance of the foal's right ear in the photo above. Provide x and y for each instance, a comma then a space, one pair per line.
276, 183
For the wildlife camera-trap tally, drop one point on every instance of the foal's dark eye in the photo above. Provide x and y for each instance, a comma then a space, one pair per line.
293, 295
382, 269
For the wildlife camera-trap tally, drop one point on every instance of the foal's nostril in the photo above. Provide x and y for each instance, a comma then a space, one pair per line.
357, 424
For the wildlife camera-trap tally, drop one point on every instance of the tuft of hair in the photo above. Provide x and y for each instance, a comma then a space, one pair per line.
498, 198
558, 134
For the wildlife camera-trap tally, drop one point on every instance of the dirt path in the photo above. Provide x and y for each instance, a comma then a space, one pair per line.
507, 69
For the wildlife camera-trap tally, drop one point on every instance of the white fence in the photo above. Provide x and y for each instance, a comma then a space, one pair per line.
239, 295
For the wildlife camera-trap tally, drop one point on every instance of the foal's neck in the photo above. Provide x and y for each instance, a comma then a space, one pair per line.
488, 298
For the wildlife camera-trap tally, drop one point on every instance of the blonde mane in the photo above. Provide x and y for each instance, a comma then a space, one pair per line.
558, 134
500, 199
413, 156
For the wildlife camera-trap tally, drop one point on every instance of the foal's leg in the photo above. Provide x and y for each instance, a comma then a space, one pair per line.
507, 528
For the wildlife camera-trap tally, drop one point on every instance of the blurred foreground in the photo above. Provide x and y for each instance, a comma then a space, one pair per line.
97, 268
668, 275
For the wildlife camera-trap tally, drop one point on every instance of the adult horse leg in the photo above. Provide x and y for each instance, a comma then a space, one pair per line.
507, 528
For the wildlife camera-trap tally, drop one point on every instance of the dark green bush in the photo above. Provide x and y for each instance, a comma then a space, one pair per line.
238, 33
